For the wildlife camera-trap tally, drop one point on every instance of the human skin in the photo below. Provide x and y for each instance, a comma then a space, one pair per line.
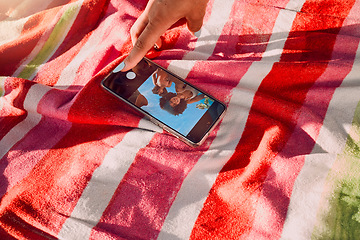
158, 16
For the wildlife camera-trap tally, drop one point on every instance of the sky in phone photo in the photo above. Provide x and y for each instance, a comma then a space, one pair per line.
184, 122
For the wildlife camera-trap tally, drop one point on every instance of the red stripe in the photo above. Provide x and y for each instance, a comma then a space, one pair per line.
67, 167
249, 45
49, 74
233, 199
58, 179
21, 229
16, 90
185, 41
335, 8
5, 235
284, 171
80, 147
33, 148
163, 172
126, 116
10, 58
56, 104
86, 21
13, 52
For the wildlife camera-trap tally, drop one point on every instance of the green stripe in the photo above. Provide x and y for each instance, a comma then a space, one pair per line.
340, 218
55, 38
2, 89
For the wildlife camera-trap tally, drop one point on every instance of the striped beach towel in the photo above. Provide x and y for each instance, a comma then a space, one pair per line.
284, 163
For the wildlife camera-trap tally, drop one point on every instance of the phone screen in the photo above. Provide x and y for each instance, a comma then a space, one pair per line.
166, 98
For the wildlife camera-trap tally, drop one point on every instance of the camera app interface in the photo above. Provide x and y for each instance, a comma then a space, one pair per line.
167, 98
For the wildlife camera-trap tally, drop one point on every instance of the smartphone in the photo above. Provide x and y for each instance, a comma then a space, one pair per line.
167, 100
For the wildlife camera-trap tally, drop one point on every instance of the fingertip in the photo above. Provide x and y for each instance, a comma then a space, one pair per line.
194, 26
128, 63
119, 67
126, 66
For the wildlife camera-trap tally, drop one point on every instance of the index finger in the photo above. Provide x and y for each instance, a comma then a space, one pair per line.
144, 43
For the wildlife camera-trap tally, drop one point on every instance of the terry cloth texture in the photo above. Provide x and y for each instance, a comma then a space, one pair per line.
284, 163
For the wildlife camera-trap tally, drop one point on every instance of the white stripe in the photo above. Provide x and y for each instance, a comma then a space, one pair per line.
67, 77
89, 209
181, 219
91, 205
210, 31
309, 185
87, 50
10, 30
295, 5
34, 96
103, 184
76, 6
32, 99
303, 118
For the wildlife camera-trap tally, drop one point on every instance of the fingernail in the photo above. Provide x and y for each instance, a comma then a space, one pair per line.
198, 33
119, 67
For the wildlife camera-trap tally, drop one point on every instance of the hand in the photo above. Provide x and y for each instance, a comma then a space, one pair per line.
158, 16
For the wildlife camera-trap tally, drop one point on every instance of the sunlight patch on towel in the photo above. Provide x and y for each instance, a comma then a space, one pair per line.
11, 30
